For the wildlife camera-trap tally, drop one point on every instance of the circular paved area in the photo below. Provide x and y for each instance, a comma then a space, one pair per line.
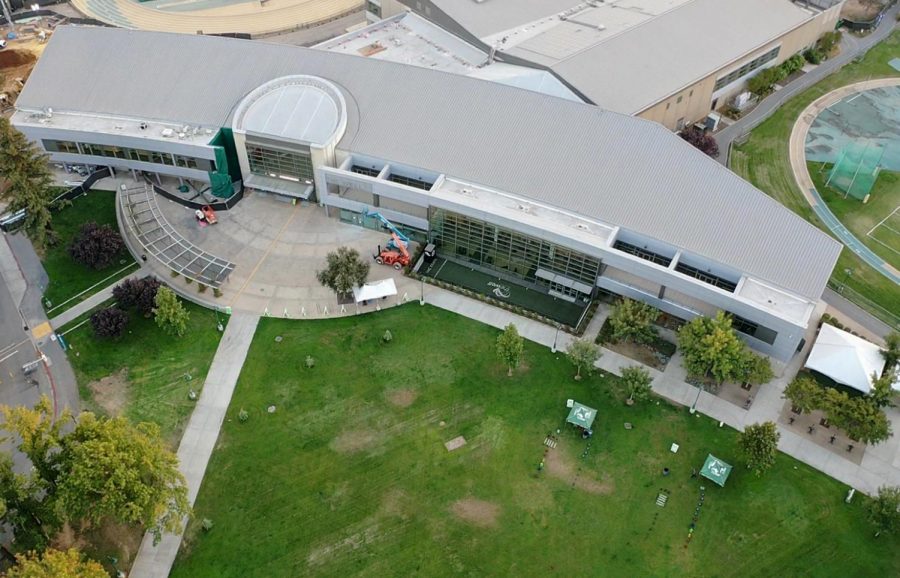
797, 152
277, 249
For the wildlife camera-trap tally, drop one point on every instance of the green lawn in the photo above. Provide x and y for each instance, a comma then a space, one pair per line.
68, 278
144, 374
349, 475
763, 160
859, 218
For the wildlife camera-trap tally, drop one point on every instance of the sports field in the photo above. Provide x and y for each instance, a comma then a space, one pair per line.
503, 290
350, 476
875, 223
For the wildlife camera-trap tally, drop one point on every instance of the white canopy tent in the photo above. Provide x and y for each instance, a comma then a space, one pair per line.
846, 358
375, 290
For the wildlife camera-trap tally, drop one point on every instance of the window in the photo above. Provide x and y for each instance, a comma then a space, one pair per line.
679, 124
369, 172
294, 165
642, 253
706, 277
752, 329
410, 182
678, 100
747, 68
374, 8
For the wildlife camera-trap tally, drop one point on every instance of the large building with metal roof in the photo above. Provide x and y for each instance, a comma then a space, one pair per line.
561, 197
672, 61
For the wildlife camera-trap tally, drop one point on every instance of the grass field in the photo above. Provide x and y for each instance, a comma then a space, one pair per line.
144, 374
861, 218
763, 160
68, 278
349, 475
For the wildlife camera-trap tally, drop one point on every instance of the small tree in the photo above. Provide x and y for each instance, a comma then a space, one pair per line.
891, 351
857, 416
388, 336
510, 346
138, 293
637, 382
884, 510
344, 270
805, 394
25, 183
882, 392
96, 246
701, 140
169, 312
582, 353
757, 369
759, 444
633, 320
710, 347
56, 564
109, 323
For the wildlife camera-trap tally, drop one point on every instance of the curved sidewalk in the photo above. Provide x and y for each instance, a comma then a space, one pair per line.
797, 152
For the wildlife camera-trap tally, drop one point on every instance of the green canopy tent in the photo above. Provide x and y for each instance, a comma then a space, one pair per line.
716, 470
582, 415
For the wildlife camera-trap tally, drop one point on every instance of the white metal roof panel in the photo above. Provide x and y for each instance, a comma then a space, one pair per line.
611, 167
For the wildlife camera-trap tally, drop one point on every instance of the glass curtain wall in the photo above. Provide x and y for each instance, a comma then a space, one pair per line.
475, 241
289, 165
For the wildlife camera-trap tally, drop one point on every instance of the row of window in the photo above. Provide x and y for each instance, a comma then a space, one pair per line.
280, 164
748, 68
706, 277
360, 170
642, 253
753, 329
131, 154
411, 182
488, 245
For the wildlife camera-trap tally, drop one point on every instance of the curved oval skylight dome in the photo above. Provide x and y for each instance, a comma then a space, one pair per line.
303, 109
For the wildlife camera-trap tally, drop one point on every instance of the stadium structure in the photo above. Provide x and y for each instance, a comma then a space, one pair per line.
563, 198
671, 61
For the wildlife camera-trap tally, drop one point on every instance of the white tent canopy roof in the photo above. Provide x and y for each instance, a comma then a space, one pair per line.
375, 290
846, 358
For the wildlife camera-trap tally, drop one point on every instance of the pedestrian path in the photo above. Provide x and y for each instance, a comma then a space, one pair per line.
200, 436
94, 300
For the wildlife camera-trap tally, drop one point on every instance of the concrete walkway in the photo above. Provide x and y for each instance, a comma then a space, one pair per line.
200, 436
94, 300
797, 153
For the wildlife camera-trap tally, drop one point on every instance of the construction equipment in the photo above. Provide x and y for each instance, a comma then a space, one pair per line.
396, 253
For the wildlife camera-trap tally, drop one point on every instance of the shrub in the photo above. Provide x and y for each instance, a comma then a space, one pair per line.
701, 140
201, 288
813, 56
206, 524
169, 312
96, 246
310, 362
109, 323
217, 292
138, 293
388, 336
826, 44
243, 416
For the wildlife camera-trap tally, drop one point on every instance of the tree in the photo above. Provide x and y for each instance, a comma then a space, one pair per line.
762, 82
110, 322
637, 382
56, 564
138, 293
25, 183
509, 348
96, 246
701, 140
169, 312
758, 444
857, 416
344, 270
109, 467
891, 351
805, 394
884, 510
633, 320
882, 392
100, 468
710, 347
582, 353
756, 369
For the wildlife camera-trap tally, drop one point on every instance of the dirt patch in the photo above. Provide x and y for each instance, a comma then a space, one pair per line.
476, 512
15, 58
353, 441
862, 10
401, 397
560, 466
111, 392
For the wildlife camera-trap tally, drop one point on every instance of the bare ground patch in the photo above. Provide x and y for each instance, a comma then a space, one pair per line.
402, 398
476, 512
560, 466
111, 392
352, 441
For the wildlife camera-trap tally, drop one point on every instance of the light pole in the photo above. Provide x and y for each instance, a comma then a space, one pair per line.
422, 298
218, 322
555, 339
847, 273
696, 399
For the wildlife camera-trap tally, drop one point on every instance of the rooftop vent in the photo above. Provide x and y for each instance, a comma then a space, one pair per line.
582, 227
168, 133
